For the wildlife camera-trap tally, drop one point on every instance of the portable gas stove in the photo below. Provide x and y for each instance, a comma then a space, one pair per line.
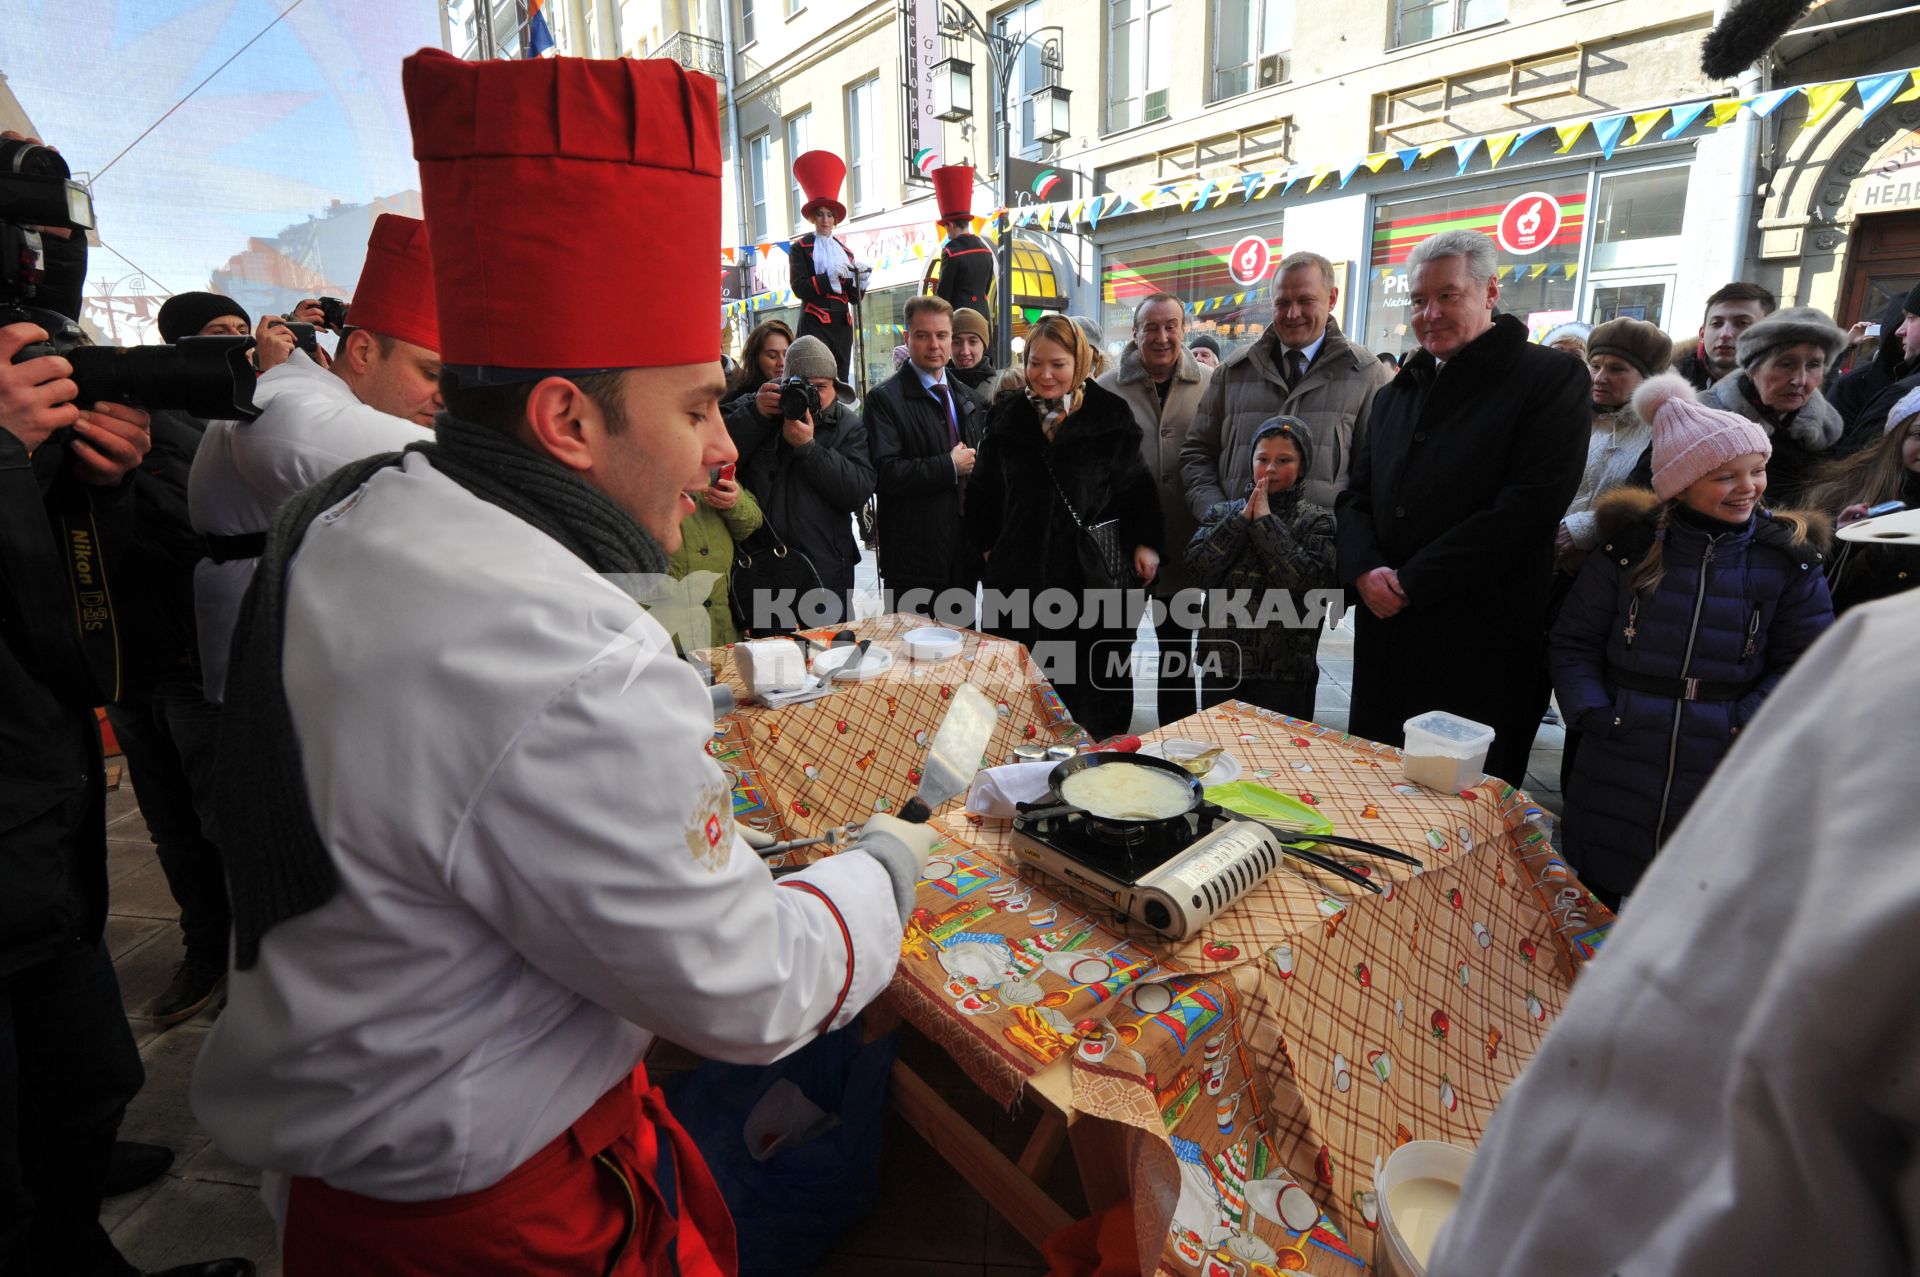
1174, 875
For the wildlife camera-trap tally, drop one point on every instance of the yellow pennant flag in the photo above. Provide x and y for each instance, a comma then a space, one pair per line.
1268, 180
978, 222
1320, 175
1432, 149
1077, 212
1822, 98
1497, 148
1374, 162
1643, 124
1569, 134
1536, 272
1146, 198
1913, 93
1722, 113
919, 250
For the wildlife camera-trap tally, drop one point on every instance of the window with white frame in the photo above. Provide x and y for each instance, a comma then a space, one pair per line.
799, 142
1417, 20
863, 148
1139, 61
1251, 39
757, 183
1030, 73
747, 34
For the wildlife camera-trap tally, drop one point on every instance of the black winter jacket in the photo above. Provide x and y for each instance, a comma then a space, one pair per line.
808, 494
1290, 549
1015, 512
53, 850
966, 272
815, 291
919, 507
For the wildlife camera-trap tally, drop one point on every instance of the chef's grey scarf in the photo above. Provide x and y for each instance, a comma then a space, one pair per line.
277, 865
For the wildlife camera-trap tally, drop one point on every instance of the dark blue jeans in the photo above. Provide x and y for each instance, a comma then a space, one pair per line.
169, 733
68, 1067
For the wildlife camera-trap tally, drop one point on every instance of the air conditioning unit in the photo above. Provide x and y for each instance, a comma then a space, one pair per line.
1156, 106
1275, 68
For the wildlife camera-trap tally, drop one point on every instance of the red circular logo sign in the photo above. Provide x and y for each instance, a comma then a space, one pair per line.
1250, 260
1529, 223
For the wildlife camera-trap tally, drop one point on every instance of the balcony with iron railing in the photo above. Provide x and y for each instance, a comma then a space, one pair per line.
695, 53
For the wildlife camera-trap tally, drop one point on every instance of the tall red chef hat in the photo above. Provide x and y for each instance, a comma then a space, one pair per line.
821, 174
543, 179
395, 292
953, 190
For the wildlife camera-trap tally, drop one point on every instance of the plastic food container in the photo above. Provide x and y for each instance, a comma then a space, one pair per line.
933, 643
1444, 751
1423, 1179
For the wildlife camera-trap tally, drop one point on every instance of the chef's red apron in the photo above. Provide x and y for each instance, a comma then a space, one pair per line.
622, 1193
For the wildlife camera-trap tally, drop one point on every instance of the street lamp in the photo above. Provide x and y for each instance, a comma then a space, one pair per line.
952, 88
958, 22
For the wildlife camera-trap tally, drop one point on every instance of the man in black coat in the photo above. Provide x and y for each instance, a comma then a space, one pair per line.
966, 260
923, 429
809, 474
1447, 524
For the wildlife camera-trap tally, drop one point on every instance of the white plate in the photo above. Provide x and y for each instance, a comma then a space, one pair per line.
1225, 768
877, 661
933, 643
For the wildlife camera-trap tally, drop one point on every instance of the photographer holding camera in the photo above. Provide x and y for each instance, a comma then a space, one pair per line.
803, 454
380, 395
68, 1062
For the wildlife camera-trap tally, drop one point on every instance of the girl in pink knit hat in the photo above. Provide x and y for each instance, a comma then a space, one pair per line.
1693, 606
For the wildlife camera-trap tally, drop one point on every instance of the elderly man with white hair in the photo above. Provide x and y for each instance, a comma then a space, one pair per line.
1447, 523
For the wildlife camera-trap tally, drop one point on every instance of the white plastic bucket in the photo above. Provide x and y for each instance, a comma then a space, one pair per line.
1422, 1159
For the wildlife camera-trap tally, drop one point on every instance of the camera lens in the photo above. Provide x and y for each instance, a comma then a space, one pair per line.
207, 377
30, 159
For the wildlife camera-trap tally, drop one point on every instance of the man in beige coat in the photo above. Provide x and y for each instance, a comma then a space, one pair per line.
1163, 383
1303, 366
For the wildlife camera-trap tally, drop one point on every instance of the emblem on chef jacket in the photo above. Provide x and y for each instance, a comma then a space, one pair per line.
710, 826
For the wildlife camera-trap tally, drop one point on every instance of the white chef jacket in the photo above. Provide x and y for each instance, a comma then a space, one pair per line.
1735, 1084
539, 867
310, 425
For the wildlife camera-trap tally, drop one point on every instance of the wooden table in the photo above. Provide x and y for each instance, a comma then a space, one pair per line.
1305, 1034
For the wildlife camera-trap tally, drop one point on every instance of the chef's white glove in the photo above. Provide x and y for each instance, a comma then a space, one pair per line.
902, 850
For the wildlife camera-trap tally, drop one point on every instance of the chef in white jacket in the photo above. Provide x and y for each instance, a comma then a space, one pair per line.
509, 863
1735, 1085
380, 395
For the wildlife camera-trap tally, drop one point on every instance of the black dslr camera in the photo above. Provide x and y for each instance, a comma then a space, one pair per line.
798, 397
203, 376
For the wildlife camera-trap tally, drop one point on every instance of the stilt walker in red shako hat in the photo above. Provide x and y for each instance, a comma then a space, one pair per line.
482, 858
966, 261
824, 275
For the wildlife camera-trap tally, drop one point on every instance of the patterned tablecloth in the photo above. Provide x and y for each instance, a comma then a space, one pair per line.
1269, 1063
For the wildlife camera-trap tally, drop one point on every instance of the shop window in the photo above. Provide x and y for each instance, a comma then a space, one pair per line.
1222, 279
1417, 20
1250, 43
1139, 62
1539, 283
1637, 219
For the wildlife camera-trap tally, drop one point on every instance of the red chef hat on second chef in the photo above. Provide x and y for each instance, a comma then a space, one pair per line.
395, 292
953, 190
577, 205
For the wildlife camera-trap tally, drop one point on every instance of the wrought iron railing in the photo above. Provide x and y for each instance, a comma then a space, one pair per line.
696, 53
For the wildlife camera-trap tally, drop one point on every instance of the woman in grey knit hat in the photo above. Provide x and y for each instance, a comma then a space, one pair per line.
1783, 361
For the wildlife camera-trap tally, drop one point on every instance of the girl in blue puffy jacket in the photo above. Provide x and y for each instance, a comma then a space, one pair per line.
1693, 608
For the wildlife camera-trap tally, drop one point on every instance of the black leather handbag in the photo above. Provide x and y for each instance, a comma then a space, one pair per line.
772, 573
1105, 563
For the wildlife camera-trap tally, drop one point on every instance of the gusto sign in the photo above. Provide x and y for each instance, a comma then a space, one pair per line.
1529, 223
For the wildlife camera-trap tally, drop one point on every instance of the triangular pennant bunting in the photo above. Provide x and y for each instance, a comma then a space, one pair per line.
1911, 94
1569, 135
1247, 184
1723, 113
1497, 148
1607, 133
1465, 149
1527, 135
1683, 117
1643, 124
1767, 103
1407, 157
1432, 149
1347, 171
1878, 90
1376, 160
1822, 98
1320, 175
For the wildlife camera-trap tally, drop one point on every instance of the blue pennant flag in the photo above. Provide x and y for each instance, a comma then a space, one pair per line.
1767, 103
1527, 135
1684, 116
1095, 207
1607, 133
1877, 90
1407, 157
1465, 149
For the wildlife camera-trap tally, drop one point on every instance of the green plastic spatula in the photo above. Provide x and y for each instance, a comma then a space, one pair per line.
1291, 816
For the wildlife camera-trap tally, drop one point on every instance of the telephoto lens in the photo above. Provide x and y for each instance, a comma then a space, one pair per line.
206, 377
